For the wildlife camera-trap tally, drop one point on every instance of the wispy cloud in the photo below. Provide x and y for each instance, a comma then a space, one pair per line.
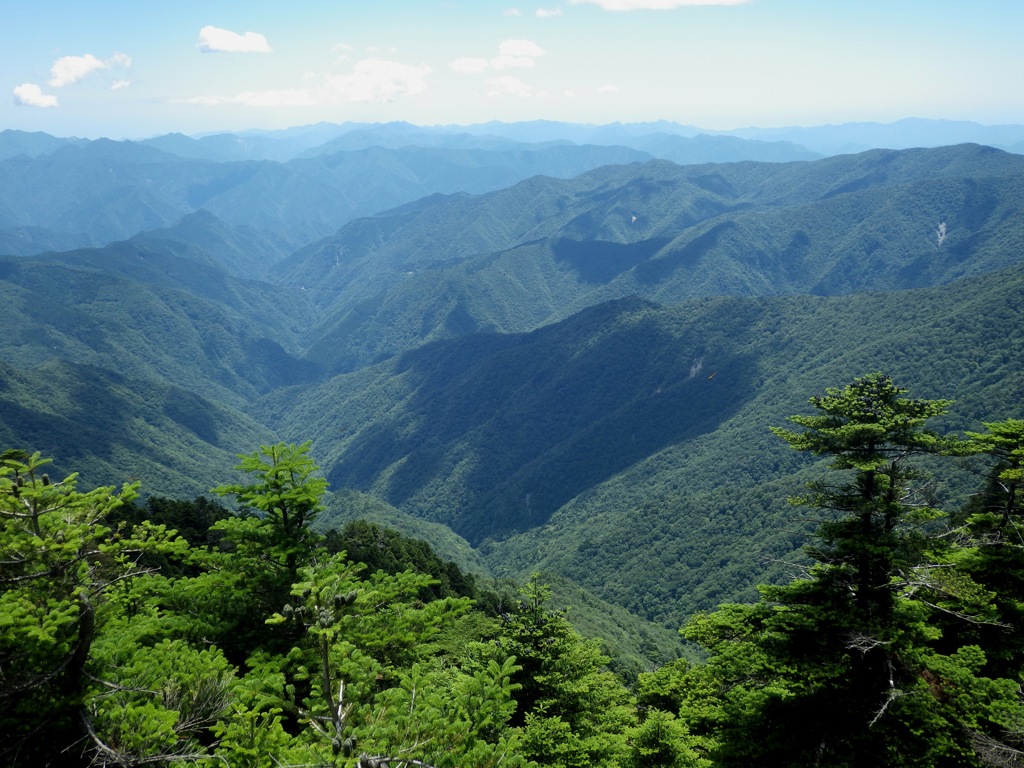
217, 40
378, 80
610, 88
31, 95
371, 80
547, 13
654, 5
70, 69
512, 54
469, 66
513, 12
508, 86
517, 54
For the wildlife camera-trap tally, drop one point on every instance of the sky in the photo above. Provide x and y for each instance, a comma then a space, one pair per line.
140, 68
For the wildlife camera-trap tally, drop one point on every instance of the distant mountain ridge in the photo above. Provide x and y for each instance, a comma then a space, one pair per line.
571, 373
103, 191
538, 251
301, 184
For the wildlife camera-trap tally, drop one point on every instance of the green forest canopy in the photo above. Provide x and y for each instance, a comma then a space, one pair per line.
249, 639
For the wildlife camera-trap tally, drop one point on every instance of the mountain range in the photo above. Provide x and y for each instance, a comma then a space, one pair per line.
559, 356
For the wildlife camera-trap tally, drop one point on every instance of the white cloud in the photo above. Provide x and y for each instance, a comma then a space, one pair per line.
654, 5
547, 13
508, 86
468, 66
517, 54
117, 86
287, 97
520, 48
512, 54
70, 69
608, 89
512, 62
216, 40
378, 80
31, 95
513, 12
372, 80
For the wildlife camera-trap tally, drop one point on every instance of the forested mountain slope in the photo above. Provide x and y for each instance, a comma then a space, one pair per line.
514, 259
628, 446
112, 427
573, 373
144, 312
93, 193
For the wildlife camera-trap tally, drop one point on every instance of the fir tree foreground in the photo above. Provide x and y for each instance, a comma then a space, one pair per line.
248, 639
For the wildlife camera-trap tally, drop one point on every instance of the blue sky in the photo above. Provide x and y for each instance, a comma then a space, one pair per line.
131, 69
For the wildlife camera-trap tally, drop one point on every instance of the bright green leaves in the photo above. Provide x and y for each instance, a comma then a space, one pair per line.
572, 710
101, 651
868, 658
287, 486
446, 717
365, 664
62, 568
156, 702
1003, 442
866, 425
286, 495
661, 741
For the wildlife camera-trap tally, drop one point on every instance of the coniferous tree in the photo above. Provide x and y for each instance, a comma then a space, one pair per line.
993, 529
840, 668
572, 710
64, 569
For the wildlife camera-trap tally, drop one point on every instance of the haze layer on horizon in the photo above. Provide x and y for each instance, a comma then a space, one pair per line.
127, 70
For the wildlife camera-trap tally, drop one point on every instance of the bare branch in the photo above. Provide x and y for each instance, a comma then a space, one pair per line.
894, 693
993, 752
382, 761
864, 643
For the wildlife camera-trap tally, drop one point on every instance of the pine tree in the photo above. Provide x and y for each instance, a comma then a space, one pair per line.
840, 667
64, 569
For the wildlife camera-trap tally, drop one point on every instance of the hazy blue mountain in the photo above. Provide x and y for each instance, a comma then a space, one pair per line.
705, 148
400, 134
843, 138
95, 193
515, 259
303, 137
105, 191
902, 134
242, 251
31, 143
228, 147
578, 133
667, 141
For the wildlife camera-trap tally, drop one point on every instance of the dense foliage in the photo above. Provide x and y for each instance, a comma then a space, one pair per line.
514, 394
510, 374
878, 653
257, 641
